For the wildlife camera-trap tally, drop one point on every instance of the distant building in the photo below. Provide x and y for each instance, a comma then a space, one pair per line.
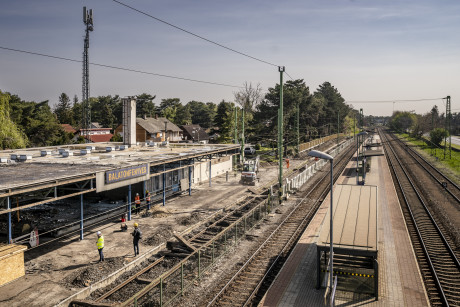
96, 134
195, 133
153, 129
68, 128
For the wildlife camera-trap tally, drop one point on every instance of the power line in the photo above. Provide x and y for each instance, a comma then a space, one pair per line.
119, 68
288, 75
193, 34
394, 101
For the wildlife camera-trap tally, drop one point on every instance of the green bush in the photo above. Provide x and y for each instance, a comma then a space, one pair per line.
437, 136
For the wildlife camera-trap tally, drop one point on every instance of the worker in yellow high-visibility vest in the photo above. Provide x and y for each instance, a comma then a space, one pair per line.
100, 245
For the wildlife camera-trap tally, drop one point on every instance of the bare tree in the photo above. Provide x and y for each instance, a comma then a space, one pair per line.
249, 97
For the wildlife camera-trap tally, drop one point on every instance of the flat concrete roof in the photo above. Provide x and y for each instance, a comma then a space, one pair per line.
54, 166
355, 219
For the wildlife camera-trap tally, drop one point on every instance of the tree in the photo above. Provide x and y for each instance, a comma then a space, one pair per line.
37, 121
10, 134
403, 121
183, 115
225, 121
437, 135
202, 114
169, 108
145, 106
63, 110
77, 112
335, 107
435, 116
248, 98
103, 108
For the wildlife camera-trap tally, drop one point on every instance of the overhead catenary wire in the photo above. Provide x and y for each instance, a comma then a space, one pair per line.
394, 101
193, 34
288, 75
120, 68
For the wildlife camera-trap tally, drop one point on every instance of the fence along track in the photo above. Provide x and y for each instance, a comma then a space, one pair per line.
248, 212
438, 264
452, 189
249, 284
199, 239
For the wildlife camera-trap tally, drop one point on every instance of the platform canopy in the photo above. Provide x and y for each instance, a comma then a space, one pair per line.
355, 219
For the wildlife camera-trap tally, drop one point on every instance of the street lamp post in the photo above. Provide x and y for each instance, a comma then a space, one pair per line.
322, 155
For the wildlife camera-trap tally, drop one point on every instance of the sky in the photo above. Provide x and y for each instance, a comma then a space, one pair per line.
370, 50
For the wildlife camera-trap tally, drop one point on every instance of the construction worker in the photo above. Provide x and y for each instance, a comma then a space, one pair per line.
287, 162
100, 245
137, 203
137, 235
147, 199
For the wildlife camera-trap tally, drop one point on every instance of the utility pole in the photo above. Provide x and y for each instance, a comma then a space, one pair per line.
236, 132
432, 127
447, 127
354, 124
86, 107
298, 128
280, 133
338, 127
242, 136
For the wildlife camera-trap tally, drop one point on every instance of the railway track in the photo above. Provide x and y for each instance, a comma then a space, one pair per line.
437, 261
250, 282
442, 180
169, 274
142, 278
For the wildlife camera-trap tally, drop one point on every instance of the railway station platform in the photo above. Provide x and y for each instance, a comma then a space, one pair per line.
399, 283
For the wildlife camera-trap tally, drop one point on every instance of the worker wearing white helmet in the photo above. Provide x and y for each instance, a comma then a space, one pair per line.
100, 245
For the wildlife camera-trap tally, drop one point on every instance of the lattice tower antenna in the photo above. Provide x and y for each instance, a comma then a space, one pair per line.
86, 107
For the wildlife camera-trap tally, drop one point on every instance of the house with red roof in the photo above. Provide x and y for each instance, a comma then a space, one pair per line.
96, 134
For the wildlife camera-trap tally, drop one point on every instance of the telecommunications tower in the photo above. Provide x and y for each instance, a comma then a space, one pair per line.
86, 107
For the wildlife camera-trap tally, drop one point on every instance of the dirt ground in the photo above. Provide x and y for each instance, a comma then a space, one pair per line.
63, 268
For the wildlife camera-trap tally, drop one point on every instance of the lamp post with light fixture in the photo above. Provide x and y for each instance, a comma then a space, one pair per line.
325, 156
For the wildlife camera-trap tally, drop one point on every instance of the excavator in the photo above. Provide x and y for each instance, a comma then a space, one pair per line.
250, 170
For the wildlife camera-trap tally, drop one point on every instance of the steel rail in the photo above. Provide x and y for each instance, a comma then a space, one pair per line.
171, 271
421, 225
279, 229
131, 278
412, 152
300, 229
245, 202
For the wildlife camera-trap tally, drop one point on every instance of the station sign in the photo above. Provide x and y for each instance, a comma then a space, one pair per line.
126, 173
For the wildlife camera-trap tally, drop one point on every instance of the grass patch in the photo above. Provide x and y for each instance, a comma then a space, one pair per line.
452, 164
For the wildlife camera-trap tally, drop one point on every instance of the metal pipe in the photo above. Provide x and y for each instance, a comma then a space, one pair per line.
81, 217
210, 173
331, 252
189, 180
10, 234
164, 189
280, 133
129, 202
